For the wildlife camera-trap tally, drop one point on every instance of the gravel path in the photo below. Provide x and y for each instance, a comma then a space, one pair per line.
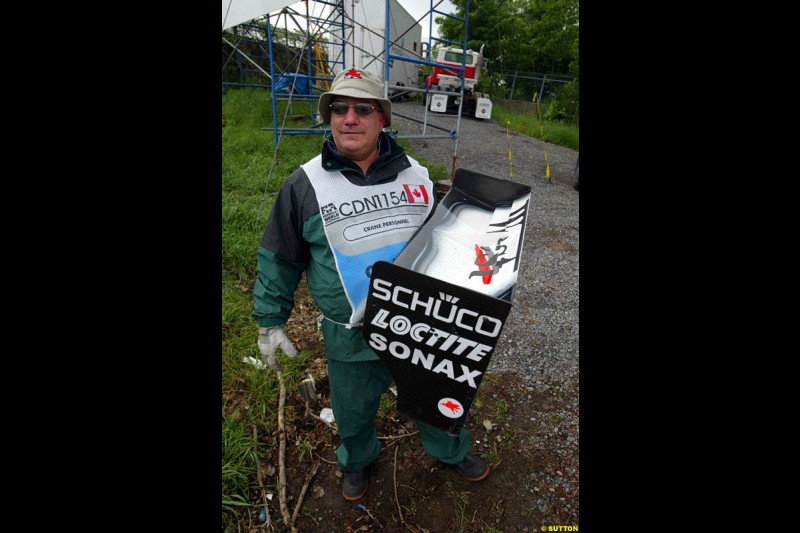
539, 343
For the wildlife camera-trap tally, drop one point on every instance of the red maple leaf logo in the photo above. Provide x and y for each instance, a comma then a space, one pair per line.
452, 406
415, 193
352, 73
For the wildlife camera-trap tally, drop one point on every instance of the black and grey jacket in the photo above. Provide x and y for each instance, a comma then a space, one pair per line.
295, 238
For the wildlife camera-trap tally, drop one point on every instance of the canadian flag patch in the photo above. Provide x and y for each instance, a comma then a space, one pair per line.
352, 73
416, 194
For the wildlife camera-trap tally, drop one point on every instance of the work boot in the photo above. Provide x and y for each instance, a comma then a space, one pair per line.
472, 468
354, 485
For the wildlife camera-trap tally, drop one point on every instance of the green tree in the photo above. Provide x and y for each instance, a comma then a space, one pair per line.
524, 35
538, 36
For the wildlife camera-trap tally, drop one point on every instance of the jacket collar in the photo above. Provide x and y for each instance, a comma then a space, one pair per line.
391, 160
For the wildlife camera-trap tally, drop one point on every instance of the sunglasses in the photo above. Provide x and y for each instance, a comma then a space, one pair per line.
363, 109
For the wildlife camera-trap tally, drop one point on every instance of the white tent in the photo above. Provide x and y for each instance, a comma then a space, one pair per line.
237, 11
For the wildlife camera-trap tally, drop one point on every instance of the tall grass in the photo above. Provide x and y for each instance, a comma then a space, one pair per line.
238, 463
250, 166
528, 123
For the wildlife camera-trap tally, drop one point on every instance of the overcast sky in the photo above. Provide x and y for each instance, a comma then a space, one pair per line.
418, 8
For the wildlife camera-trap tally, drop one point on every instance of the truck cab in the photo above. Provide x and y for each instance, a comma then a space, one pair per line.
442, 78
446, 78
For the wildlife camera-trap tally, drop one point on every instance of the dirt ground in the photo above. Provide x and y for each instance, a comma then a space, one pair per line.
407, 489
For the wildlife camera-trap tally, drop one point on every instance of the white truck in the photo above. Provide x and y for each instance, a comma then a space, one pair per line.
365, 46
477, 105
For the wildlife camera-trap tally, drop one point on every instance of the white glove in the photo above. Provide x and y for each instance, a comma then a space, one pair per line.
269, 340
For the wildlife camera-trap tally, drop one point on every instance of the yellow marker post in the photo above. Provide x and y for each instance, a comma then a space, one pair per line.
508, 140
544, 144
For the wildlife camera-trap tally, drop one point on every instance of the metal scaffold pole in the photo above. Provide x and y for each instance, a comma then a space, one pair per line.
318, 43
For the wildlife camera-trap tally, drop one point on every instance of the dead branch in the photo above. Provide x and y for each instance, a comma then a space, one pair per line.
282, 453
402, 520
333, 427
303, 491
418, 530
395, 437
366, 510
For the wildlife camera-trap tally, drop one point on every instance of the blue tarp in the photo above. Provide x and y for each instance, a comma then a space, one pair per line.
287, 82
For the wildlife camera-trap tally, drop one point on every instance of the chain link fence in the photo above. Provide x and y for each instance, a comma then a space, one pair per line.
557, 93
516, 85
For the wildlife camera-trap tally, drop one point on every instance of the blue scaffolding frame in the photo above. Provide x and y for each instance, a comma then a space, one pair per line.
336, 24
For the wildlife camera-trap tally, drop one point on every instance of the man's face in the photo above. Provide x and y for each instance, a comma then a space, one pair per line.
356, 136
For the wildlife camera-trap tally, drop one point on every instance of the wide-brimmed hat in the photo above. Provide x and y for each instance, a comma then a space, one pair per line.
355, 83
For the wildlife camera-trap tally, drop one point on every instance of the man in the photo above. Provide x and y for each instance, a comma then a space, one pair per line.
356, 203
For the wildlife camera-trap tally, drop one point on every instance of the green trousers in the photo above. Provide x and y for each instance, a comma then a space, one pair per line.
356, 389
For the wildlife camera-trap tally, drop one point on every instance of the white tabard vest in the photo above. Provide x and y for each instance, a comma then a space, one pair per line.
368, 223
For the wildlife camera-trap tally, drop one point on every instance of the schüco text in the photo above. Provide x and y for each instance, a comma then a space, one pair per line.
464, 318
